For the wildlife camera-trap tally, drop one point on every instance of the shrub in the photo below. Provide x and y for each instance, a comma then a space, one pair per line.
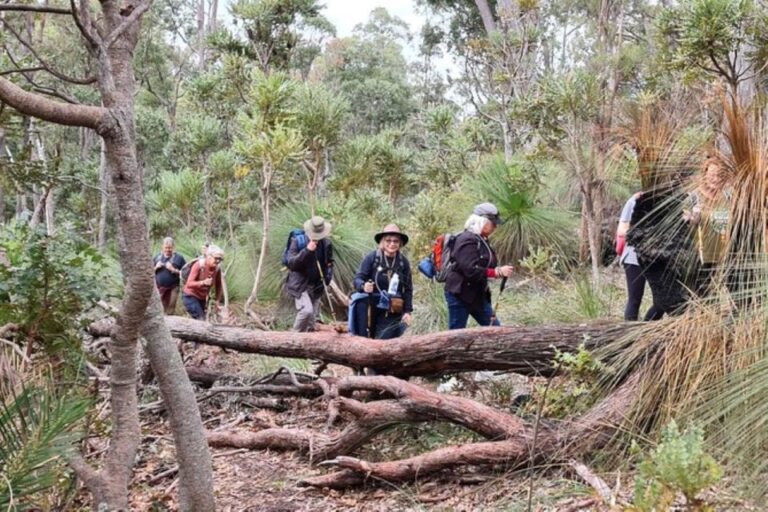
677, 465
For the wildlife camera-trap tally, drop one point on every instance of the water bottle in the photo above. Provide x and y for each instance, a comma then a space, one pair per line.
394, 281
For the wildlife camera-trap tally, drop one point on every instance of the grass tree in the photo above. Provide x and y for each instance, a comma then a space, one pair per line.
268, 142
529, 224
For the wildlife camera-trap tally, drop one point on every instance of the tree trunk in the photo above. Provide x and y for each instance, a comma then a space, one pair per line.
103, 199
486, 15
265, 199
194, 459
525, 350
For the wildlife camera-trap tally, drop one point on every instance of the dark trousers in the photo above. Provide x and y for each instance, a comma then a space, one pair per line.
635, 292
666, 288
459, 312
387, 325
194, 306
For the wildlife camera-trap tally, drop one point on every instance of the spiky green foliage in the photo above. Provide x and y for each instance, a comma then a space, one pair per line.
36, 433
175, 202
527, 223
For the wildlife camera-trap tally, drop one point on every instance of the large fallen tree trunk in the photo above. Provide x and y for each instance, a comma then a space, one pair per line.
513, 442
525, 350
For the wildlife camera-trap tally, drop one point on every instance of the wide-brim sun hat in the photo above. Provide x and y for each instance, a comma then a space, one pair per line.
391, 229
489, 211
317, 228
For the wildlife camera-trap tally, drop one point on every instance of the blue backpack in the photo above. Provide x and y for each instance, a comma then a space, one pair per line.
301, 243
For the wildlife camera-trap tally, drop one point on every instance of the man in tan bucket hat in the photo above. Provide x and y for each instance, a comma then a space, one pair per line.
310, 261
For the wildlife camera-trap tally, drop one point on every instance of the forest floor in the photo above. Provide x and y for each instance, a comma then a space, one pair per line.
269, 481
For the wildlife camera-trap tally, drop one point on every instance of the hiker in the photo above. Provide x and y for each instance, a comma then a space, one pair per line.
310, 261
628, 259
662, 243
708, 211
168, 265
385, 275
202, 277
466, 285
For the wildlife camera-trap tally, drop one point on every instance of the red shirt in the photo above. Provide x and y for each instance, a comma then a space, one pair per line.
197, 274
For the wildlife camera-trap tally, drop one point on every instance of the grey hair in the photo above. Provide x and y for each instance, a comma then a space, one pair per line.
476, 223
168, 241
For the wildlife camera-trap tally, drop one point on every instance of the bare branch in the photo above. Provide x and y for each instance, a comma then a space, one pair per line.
83, 21
58, 74
49, 110
132, 18
22, 70
34, 8
48, 91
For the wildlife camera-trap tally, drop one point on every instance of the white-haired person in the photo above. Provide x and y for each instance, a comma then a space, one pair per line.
473, 262
168, 265
204, 275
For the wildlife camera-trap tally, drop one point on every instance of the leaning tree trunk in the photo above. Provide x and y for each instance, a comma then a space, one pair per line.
112, 39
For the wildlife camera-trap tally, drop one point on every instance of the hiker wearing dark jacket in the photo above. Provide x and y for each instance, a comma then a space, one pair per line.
203, 277
168, 266
385, 274
473, 263
311, 269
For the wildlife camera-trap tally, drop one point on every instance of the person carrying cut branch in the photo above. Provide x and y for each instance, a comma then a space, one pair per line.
472, 263
203, 276
309, 258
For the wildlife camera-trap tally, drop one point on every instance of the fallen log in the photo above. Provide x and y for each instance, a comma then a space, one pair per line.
525, 350
510, 445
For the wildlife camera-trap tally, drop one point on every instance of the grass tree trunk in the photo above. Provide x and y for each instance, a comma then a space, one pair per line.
113, 44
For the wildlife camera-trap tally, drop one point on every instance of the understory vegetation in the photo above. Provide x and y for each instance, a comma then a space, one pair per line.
556, 112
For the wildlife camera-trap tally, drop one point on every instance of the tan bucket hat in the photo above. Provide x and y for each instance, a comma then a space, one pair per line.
317, 228
391, 229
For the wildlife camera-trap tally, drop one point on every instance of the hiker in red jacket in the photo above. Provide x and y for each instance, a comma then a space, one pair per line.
200, 281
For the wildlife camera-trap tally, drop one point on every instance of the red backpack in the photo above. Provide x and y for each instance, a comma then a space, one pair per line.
441, 255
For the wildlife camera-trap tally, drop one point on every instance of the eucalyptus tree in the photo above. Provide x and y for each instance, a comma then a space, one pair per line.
370, 71
111, 40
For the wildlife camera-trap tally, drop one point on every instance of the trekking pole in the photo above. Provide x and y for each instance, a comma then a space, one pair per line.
325, 288
501, 290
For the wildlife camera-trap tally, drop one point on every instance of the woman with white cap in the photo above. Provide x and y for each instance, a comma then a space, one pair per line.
386, 275
202, 277
473, 262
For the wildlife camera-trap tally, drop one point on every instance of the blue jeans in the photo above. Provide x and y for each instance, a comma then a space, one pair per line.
458, 313
194, 306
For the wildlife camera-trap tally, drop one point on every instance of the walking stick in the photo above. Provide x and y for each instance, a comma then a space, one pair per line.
496, 307
325, 288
